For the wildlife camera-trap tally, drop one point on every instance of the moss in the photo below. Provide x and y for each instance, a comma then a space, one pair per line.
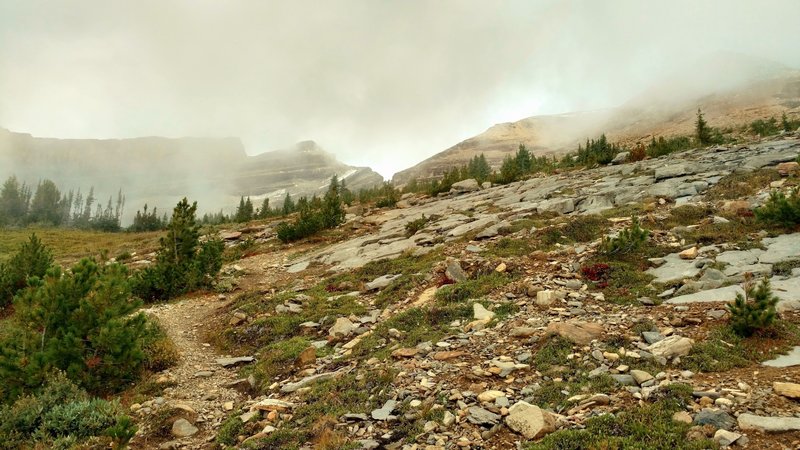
511, 247
278, 358
553, 352
416, 325
230, 430
472, 289
585, 228
649, 426
723, 349
738, 185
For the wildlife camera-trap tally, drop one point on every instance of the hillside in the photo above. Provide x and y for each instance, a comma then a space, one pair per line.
666, 109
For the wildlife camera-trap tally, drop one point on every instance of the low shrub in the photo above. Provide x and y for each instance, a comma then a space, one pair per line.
61, 415
781, 209
629, 240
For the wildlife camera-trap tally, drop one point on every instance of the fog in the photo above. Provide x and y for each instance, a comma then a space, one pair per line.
380, 84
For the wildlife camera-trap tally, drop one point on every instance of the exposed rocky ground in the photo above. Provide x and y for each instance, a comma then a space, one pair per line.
490, 318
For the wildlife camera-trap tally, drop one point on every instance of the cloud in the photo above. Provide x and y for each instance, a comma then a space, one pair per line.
384, 84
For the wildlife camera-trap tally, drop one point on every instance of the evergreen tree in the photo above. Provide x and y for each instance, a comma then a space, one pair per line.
332, 209
13, 204
32, 260
264, 211
702, 130
182, 264
45, 204
523, 160
288, 205
147, 221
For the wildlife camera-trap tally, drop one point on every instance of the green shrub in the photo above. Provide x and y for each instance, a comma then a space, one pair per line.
755, 311
661, 146
183, 263
780, 209
160, 352
80, 322
416, 225
61, 415
32, 260
315, 215
230, 430
628, 240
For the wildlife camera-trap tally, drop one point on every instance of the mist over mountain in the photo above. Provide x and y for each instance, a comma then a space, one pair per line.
732, 90
159, 171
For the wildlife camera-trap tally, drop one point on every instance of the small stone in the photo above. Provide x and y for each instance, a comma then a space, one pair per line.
641, 376
790, 390
718, 419
689, 253
183, 428
530, 421
482, 313
725, 438
682, 416
490, 396
384, 412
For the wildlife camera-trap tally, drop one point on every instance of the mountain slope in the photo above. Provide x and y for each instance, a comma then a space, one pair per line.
758, 90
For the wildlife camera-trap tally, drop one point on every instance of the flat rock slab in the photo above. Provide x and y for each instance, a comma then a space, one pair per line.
298, 267
232, 362
725, 294
788, 291
381, 282
674, 269
769, 424
291, 387
385, 412
788, 360
577, 332
782, 248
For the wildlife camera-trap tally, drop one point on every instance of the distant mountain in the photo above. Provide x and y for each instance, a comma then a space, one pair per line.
157, 170
731, 89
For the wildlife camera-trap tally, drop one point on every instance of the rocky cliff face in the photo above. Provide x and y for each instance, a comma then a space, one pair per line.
657, 112
160, 170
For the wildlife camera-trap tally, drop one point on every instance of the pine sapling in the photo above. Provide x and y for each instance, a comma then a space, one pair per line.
753, 311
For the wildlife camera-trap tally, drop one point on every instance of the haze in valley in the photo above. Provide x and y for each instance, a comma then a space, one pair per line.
379, 84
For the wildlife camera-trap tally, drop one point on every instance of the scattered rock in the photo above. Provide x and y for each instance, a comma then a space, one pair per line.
769, 424
233, 362
530, 421
790, 390
183, 428
481, 313
575, 331
671, 347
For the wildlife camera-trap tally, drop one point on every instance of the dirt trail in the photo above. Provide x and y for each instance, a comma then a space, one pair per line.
199, 381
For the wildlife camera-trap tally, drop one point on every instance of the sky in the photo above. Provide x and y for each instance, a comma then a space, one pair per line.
378, 83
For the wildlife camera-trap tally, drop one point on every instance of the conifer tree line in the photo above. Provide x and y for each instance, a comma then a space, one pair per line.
45, 204
246, 210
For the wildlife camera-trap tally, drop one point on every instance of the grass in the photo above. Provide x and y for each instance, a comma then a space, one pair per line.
278, 358
736, 231
416, 325
553, 352
738, 185
724, 350
784, 268
649, 426
622, 281
68, 245
510, 247
472, 289
684, 215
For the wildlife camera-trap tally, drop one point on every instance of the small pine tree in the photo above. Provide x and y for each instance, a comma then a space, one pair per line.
781, 210
754, 311
263, 212
702, 130
628, 240
32, 260
288, 205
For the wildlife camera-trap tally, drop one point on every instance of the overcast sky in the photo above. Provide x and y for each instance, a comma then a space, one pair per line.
378, 83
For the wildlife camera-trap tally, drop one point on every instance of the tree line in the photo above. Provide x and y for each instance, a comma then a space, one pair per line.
46, 204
